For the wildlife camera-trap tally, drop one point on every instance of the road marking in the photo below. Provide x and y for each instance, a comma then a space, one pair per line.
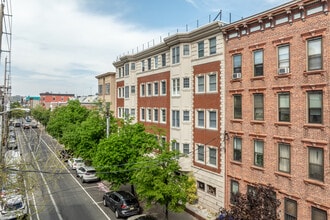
91, 187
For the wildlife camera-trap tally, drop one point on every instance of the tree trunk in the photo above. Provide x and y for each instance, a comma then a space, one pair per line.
166, 211
132, 189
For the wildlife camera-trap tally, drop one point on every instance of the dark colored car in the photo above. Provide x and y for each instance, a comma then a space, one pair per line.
122, 203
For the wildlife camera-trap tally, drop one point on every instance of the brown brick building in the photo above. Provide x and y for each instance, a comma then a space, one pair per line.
277, 106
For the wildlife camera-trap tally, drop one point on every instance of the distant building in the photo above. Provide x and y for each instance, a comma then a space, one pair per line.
52, 100
89, 102
32, 101
107, 89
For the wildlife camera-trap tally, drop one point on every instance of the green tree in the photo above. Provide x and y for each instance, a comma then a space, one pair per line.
17, 113
41, 114
116, 155
259, 203
158, 180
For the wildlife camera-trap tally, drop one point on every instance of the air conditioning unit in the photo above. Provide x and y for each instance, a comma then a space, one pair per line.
283, 70
237, 75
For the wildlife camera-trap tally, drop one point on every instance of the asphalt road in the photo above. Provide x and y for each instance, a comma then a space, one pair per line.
53, 190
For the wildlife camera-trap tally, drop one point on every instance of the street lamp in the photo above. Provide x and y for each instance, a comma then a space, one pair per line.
108, 122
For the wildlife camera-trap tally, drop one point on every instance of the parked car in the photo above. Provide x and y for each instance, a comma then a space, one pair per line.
87, 174
26, 125
13, 207
122, 203
74, 163
34, 124
142, 217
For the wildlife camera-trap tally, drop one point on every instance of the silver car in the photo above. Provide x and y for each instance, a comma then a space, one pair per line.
74, 163
13, 207
87, 174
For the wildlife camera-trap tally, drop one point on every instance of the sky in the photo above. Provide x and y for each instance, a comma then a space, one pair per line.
59, 46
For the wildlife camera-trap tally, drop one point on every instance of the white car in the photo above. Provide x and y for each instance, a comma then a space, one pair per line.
74, 163
87, 174
13, 207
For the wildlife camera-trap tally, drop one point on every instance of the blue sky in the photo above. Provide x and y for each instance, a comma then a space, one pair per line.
60, 46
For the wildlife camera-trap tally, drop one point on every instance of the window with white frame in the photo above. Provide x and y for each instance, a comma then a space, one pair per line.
163, 59
212, 122
156, 115
186, 82
175, 55
176, 87
212, 78
200, 84
237, 64
156, 62
149, 63
200, 49
186, 50
149, 89
107, 88
175, 118
200, 153
283, 59
143, 114
133, 112
119, 112
132, 89
284, 157
126, 115
132, 66
126, 69
213, 45
163, 115
200, 118
149, 114
163, 87
156, 88
211, 190
126, 91
100, 90
314, 53
186, 149
142, 90
186, 115
142, 66
175, 146
258, 59
212, 156
316, 163
119, 92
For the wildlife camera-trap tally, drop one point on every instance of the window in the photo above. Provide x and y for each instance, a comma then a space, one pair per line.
258, 62
126, 91
163, 115
211, 190
237, 152
213, 45
186, 83
200, 153
200, 84
163, 87
200, 49
258, 107
149, 114
156, 88
284, 157
284, 107
316, 169
212, 82
237, 106
156, 61
237, 63
133, 89
200, 185
175, 55
186, 116
176, 87
314, 50
212, 119
200, 119
100, 90
175, 146
149, 89
283, 59
318, 214
290, 209
149, 63
175, 118
186, 149
107, 88
142, 65
315, 107
186, 50
119, 72
234, 190
133, 112
143, 114
126, 113
119, 113
156, 115
164, 59
259, 153
132, 66
213, 156
119, 92
143, 90
126, 69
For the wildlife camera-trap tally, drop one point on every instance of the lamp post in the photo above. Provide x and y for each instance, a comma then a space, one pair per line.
108, 122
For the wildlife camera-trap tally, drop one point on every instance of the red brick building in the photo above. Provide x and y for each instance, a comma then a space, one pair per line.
277, 106
52, 100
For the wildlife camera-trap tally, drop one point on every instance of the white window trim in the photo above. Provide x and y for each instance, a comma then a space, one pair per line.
208, 156
141, 111
172, 87
207, 119
196, 87
172, 119
153, 115
184, 121
153, 88
208, 82
196, 118
161, 88
196, 153
147, 89
142, 84
161, 115
147, 114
